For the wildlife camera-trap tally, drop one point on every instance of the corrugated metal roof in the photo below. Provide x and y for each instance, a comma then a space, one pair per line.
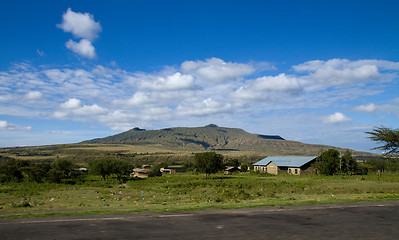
286, 161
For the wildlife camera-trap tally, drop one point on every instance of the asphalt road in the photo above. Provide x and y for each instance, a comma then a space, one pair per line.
368, 220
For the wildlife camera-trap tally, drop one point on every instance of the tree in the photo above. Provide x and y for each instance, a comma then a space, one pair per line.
106, 167
121, 168
65, 166
208, 162
233, 163
388, 137
244, 167
352, 165
328, 162
34, 173
348, 163
101, 167
55, 176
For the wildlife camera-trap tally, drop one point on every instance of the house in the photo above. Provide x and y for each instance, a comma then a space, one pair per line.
295, 165
173, 169
167, 170
232, 170
140, 173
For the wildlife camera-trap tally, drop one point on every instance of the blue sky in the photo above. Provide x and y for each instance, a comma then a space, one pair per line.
320, 72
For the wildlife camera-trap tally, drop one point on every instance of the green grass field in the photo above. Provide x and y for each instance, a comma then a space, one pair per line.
188, 192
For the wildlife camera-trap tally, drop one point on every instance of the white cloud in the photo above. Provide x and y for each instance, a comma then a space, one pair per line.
217, 70
267, 87
120, 99
83, 48
140, 99
280, 83
3, 124
75, 108
336, 118
176, 81
203, 108
8, 126
5, 98
57, 75
34, 95
371, 107
81, 25
90, 110
343, 72
72, 103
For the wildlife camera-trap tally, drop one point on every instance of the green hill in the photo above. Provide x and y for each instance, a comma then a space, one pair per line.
212, 138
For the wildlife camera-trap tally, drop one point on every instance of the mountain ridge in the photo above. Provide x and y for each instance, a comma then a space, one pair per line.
213, 138
209, 137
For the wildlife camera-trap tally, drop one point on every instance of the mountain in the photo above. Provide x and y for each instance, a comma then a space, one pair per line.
212, 138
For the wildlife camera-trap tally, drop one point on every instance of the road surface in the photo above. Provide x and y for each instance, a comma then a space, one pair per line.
367, 220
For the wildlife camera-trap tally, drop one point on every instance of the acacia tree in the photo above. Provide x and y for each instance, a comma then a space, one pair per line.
106, 167
388, 137
101, 167
208, 162
121, 168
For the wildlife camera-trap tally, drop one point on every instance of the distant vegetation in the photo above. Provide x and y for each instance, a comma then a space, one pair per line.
65, 186
99, 171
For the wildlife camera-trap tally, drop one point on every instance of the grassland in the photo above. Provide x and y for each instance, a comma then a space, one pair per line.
190, 191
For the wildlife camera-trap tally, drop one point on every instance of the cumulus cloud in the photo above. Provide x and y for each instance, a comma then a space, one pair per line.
203, 108
371, 107
72, 103
83, 48
176, 81
280, 83
8, 126
120, 99
75, 108
336, 118
340, 72
33, 95
90, 110
217, 70
268, 87
81, 25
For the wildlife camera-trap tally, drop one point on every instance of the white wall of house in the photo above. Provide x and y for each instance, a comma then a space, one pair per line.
294, 171
272, 168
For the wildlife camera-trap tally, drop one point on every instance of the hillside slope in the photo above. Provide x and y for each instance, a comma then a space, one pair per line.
211, 138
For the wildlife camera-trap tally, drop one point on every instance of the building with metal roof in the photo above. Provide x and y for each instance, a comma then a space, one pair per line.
286, 164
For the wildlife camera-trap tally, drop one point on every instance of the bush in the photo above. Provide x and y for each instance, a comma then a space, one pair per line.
9, 171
